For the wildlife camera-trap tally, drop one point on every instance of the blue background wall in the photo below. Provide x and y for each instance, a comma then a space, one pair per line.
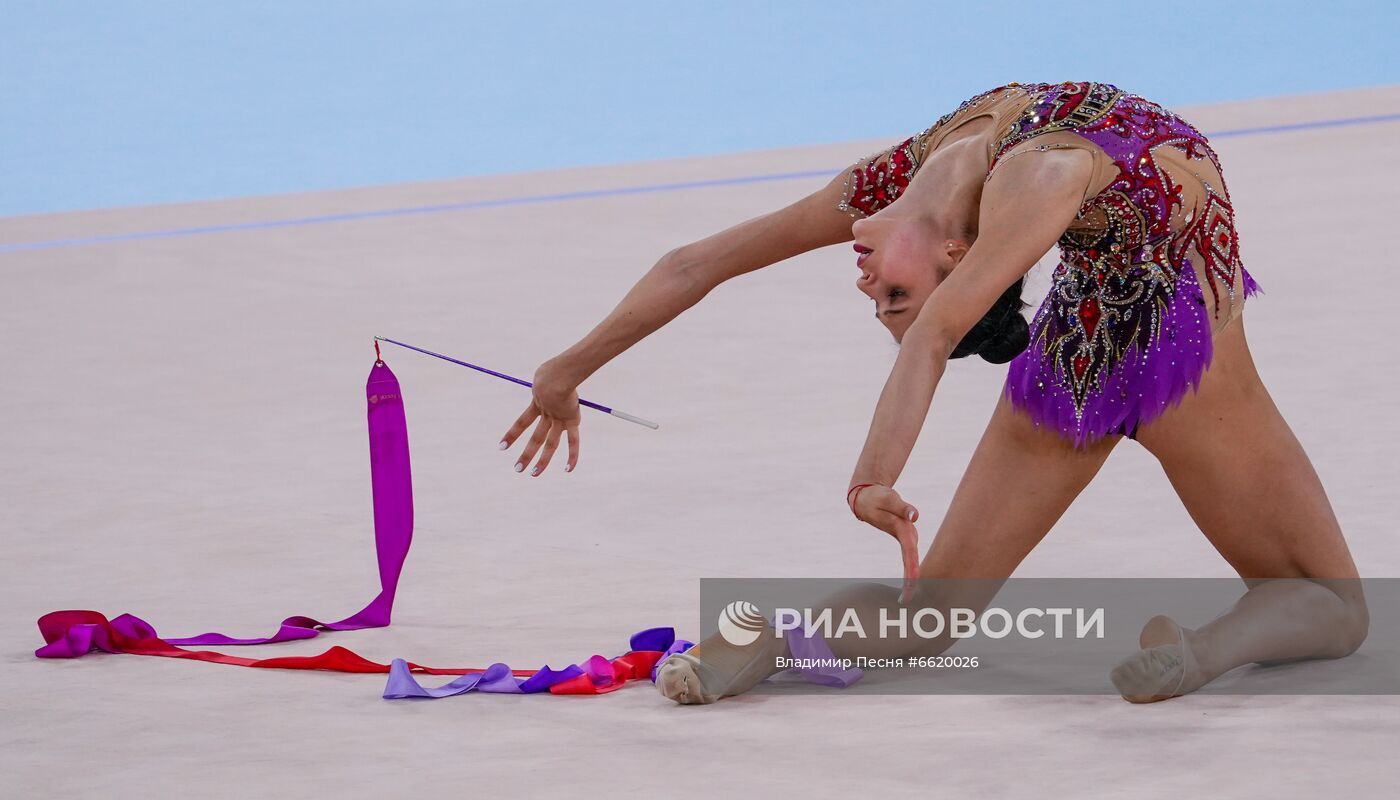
147, 102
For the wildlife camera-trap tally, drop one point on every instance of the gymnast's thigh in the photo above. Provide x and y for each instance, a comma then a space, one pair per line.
1244, 477
1020, 480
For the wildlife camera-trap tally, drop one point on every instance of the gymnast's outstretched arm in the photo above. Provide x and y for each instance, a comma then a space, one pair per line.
679, 280
1021, 215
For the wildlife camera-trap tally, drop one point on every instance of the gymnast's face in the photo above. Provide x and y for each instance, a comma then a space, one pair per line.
902, 259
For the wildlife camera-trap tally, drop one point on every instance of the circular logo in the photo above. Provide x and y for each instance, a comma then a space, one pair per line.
374, 398
740, 623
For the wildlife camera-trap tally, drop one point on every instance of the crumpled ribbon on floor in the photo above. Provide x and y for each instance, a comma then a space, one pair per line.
72, 634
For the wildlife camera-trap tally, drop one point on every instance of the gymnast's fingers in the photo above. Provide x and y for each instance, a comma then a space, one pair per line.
908, 537
533, 446
521, 423
883, 499
897, 519
881, 519
572, 430
892, 503
551, 443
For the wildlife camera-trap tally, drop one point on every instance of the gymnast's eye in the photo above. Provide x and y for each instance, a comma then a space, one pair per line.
896, 293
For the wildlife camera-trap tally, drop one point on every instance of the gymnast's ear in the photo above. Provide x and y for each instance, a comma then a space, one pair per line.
955, 249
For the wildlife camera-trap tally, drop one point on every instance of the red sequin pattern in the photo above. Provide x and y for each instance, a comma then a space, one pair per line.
882, 180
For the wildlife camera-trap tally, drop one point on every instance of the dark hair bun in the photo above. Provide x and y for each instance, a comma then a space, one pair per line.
1001, 334
1012, 338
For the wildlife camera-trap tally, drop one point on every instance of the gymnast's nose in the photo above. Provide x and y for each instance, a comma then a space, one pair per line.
858, 226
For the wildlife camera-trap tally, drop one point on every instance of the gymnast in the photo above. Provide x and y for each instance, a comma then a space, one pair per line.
1141, 337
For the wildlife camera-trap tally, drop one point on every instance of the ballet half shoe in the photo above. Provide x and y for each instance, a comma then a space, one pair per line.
678, 679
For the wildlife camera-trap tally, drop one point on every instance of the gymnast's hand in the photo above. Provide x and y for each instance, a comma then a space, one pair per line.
882, 507
555, 404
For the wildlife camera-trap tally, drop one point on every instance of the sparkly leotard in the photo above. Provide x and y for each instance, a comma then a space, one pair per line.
1127, 326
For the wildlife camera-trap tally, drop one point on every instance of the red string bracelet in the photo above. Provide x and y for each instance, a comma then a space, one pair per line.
853, 493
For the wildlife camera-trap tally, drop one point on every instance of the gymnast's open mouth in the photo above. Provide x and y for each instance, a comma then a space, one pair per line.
864, 253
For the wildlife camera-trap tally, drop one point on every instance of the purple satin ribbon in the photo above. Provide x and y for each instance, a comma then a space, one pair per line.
392, 484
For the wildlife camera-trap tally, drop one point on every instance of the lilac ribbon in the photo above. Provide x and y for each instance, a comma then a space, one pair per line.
807, 645
499, 679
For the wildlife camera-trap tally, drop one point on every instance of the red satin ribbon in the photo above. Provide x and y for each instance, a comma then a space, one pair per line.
91, 630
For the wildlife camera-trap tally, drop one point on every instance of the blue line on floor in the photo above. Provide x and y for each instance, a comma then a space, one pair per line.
51, 244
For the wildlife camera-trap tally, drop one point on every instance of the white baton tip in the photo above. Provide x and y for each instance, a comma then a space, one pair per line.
624, 415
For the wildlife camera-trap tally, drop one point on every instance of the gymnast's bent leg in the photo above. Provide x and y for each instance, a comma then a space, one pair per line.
982, 537
1247, 483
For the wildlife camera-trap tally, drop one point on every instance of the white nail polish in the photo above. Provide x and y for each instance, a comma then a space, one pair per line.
534, 472
910, 516
519, 467
568, 467
503, 445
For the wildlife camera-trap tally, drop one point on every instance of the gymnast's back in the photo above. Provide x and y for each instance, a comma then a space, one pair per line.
1157, 198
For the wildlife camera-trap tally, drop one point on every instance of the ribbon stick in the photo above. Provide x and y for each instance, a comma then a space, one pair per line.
588, 403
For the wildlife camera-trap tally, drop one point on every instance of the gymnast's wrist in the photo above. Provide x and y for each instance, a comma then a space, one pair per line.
853, 493
562, 369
